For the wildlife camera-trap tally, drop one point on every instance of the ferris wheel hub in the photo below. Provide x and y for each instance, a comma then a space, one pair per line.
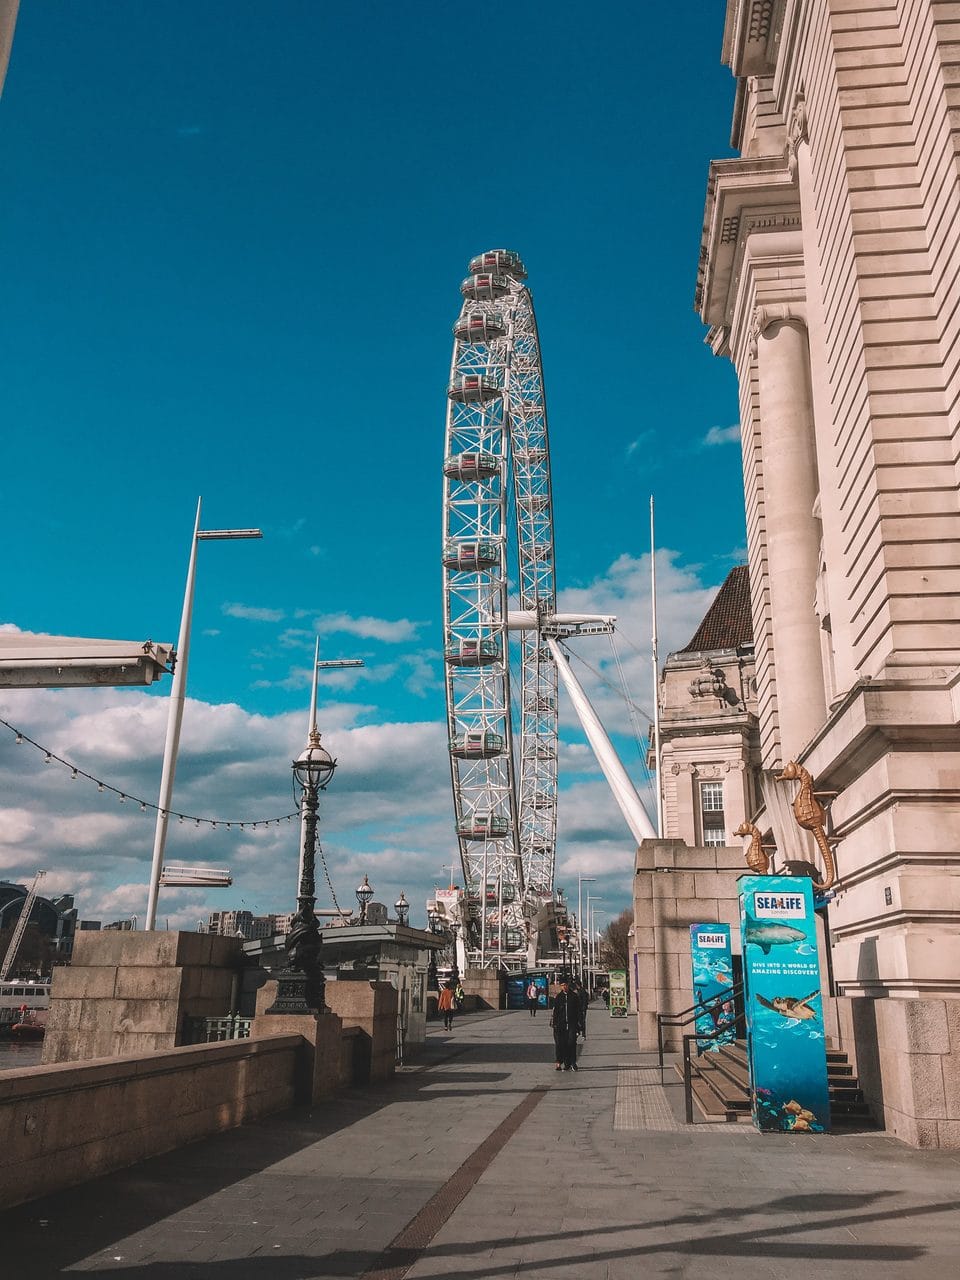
561, 625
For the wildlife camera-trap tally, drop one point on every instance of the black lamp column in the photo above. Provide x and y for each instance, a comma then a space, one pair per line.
300, 986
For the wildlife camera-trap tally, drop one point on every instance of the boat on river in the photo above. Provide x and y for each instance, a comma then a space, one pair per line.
30, 1024
18, 996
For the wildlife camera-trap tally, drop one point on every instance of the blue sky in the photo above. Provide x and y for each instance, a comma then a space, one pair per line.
233, 239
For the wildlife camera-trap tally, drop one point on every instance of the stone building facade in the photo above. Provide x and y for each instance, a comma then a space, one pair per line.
829, 273
708, 724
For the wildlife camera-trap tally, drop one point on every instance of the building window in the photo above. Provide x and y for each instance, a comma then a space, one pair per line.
711, 813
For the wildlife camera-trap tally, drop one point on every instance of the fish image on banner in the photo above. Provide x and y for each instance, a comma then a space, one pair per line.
712, 965
786, 1041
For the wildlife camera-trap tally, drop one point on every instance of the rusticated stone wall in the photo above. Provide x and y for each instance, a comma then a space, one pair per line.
64, 1124
907, 1054
130, 992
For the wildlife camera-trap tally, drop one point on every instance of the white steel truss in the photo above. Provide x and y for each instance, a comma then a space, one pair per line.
497, 457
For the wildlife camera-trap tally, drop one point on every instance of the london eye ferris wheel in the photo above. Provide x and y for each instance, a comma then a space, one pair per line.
497, 487
498, 538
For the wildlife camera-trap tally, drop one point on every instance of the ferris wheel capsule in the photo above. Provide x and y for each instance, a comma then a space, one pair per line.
473, 653
499, 261
471, 557
483, 826
477, 744
474, 388
480, 326
471, 466
486, 286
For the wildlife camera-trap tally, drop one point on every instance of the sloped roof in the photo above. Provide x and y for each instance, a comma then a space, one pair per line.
728, 623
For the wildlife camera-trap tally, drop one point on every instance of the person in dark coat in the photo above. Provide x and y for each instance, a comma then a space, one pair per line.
579, 992
565, 1022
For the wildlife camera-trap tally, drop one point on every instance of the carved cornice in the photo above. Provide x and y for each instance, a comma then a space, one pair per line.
744, 198
750, 38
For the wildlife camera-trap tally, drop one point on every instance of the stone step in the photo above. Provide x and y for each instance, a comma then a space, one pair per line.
708, 1104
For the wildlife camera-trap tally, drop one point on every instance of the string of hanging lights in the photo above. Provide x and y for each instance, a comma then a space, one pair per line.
51, 757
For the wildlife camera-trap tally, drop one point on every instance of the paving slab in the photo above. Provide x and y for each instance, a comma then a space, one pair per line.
487, 1163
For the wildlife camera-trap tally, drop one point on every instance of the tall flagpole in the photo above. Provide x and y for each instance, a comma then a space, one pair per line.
656, 677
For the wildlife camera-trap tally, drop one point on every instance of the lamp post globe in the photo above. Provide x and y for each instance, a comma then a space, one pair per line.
364, 893
314, 767
402, 908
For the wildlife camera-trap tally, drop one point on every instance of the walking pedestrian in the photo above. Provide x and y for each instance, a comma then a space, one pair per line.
579, 991
533, 998
458, 997
565, 1021
445, 1005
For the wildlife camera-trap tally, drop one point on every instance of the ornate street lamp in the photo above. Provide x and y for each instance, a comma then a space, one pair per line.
402, 908
300, 986
364, 894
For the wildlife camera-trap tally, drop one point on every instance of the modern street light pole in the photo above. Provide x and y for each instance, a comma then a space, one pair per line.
581, 881
591, 897
178, 691
597, 942
300, 987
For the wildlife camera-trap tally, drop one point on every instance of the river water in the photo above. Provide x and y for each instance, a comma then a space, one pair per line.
14, 1056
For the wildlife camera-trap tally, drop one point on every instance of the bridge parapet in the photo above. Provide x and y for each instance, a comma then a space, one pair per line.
66, 1123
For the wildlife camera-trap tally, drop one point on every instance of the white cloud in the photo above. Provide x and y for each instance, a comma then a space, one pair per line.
366, 628
390, 792
252, 613
388, 810
723, 435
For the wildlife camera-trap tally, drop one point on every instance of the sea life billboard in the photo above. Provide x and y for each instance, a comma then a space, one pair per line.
786, 1042
712, 964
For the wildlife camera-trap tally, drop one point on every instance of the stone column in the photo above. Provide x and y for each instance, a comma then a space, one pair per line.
790, 490
840, 640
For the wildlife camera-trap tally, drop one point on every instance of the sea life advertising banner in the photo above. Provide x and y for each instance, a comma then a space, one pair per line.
786, 1042
712, 963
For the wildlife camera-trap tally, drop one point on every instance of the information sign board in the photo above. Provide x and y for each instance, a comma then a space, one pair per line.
618, 993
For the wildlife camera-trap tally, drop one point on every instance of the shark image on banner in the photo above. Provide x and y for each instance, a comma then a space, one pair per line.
765, 934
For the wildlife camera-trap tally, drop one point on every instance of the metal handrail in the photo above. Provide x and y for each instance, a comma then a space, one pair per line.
738, 1019
667, 1019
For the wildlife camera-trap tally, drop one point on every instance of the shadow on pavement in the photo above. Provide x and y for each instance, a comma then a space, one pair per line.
752, 1243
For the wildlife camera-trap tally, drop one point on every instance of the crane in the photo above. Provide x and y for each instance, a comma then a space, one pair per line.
20, 928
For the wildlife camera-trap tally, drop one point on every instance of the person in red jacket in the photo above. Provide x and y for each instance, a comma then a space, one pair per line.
445, 1005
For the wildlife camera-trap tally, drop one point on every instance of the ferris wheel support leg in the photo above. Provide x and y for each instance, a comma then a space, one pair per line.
624, 792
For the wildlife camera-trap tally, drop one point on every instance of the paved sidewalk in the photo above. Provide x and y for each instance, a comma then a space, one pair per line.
488, 1163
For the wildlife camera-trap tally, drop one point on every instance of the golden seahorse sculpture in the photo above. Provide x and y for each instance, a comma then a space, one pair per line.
757, 859
811, 816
